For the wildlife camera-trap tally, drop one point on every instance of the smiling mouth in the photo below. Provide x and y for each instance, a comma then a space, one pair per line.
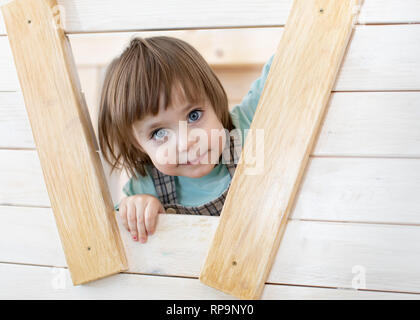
197, 160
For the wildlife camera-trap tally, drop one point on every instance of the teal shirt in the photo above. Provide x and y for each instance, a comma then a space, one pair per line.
197, 191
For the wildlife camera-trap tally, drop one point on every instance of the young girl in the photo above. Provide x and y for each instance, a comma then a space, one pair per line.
156, 96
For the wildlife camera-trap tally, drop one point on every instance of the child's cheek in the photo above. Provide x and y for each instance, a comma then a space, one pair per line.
165, 154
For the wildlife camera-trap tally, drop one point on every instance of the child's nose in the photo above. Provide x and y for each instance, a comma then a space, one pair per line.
185, 144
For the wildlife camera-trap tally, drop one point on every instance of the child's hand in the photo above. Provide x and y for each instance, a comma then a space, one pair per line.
139, 215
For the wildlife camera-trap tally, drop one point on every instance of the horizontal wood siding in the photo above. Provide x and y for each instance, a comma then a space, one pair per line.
126, 15
357, 209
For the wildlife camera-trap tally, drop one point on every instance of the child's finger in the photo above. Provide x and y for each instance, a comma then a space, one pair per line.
132, 220
140, 223
123, 215
150, 217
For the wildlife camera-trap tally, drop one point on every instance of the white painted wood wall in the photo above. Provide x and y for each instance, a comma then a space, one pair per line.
356, 221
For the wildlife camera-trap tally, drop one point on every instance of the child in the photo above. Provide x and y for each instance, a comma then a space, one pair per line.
158, 87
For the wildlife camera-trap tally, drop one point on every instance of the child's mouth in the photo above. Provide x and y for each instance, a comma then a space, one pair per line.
197, 160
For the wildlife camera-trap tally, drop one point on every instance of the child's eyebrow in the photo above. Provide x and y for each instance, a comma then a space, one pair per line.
155, 125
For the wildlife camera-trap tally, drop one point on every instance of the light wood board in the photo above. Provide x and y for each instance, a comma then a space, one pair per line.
65, 141
352, 176
290, 112
312, 253
44, 282
127, 15
379, 58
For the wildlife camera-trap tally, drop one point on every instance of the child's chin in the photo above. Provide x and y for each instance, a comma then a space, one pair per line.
197, 171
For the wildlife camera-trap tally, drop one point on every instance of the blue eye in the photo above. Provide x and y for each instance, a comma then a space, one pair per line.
159, 134
195, 115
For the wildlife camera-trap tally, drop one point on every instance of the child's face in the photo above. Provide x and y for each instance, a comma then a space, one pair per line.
185, 140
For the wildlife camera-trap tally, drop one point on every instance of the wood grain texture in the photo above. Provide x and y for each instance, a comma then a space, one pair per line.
127, 15
65, 141
43, 282
373, 124
361, 124
312, 253
290, 112
353, 189
379, 58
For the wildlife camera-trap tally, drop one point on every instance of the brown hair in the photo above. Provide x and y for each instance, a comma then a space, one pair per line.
134, 84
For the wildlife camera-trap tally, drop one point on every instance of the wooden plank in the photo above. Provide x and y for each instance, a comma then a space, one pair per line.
375, 190
95, 15
390, 11
15, 129
360, 190
295, 97
8, 76
312, 253
380, 57
22, 181
33, 282
371, 124
359, 74
374, 124
219, 47
65, 141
